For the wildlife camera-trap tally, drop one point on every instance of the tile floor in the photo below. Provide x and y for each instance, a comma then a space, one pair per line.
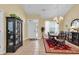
30, 47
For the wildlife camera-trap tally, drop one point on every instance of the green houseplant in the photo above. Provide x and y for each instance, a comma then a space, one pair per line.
14, 15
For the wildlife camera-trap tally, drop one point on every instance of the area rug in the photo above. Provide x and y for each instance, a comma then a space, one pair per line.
56, 47
51, 48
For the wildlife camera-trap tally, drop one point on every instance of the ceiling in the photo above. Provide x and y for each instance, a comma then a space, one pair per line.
47, 10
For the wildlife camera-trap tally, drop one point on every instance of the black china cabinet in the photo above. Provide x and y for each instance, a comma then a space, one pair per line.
13, 34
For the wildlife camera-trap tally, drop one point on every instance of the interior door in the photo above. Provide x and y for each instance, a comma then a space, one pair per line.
33, 29
1, 33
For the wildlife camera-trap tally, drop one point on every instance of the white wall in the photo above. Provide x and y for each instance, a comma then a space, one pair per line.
2, 37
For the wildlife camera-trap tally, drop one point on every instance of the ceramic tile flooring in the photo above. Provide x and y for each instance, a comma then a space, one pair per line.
32, 47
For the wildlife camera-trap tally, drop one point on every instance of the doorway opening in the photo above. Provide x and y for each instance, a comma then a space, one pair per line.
32, 28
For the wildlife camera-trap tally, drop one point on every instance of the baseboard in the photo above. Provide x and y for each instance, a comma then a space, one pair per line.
32, 38
28, 39
24, 39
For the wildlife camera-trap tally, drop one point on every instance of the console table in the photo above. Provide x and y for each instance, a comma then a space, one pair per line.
75, 38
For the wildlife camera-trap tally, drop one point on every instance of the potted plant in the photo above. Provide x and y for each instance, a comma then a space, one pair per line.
14, 15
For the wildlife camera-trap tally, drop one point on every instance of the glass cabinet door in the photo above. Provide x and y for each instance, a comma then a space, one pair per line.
20, 31
10, 33
17, 29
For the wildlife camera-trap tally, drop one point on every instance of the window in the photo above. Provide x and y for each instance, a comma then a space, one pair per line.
52, 27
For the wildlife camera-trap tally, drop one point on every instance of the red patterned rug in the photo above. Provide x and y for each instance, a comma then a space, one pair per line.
56, 47
50, 47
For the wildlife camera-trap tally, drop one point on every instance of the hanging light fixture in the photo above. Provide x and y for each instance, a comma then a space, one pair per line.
60, 18
56, 19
